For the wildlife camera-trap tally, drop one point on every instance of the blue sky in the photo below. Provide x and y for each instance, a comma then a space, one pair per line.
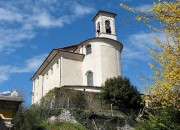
30, 29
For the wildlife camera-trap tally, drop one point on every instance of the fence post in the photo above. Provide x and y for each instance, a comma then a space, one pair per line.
68, 103
94, 123
112, 109
51, 104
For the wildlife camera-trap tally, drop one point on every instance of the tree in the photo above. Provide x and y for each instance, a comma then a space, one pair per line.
166, 66
121, 93
165, 91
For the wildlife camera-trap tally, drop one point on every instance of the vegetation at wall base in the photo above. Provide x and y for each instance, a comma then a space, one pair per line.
67, 98
88, 108
36, 118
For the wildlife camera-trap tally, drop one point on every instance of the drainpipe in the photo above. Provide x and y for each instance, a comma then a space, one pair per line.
60, 65
42, 85
33, 92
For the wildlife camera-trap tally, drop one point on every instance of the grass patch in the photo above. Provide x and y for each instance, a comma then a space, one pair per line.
61, 125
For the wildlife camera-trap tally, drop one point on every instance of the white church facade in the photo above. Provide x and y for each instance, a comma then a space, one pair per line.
84, 66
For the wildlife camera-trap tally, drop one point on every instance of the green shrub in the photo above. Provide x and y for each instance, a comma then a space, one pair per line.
163, 119
86, 117
121, 93
31, 118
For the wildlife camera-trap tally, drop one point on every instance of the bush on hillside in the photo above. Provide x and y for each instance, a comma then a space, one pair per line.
121, 93
87, 117
31, 118
163, 119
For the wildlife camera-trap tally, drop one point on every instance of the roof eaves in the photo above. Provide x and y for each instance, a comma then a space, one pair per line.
66, 47
102, 11
71, 52
99, 39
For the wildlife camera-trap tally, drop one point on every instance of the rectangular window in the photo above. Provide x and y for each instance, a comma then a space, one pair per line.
88, 49
52, 70
57, 64
47, 75
89, 78
36, 82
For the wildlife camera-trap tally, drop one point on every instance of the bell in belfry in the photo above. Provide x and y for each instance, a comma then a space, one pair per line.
108, 27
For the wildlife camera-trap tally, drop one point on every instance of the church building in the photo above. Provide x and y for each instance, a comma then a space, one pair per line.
84, 66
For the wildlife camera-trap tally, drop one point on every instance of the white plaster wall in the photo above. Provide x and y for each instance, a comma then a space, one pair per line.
51, 80
38, 88
108, 36
71, 72
103, 61
90, 62
32, 101
110, 63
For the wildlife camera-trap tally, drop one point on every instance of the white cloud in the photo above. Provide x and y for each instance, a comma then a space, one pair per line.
11, 39
30, 65
5, 70
19, 19
144, 7
142, 40
136, 47
81, 10
8, 15
45, 20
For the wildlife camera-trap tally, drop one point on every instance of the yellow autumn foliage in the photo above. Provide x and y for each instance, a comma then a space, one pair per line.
166, 59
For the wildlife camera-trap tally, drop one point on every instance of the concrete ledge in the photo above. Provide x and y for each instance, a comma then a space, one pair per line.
83, 88
11, 98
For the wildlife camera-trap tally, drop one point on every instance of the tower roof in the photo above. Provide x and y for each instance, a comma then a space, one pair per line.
102, 12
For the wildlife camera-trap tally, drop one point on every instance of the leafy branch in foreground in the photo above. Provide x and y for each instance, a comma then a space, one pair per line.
165, 91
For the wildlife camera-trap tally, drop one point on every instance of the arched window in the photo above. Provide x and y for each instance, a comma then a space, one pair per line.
108, 27
89, 75
98, 27
88, 49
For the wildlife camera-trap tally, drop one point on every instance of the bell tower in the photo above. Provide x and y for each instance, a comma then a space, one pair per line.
105, 25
